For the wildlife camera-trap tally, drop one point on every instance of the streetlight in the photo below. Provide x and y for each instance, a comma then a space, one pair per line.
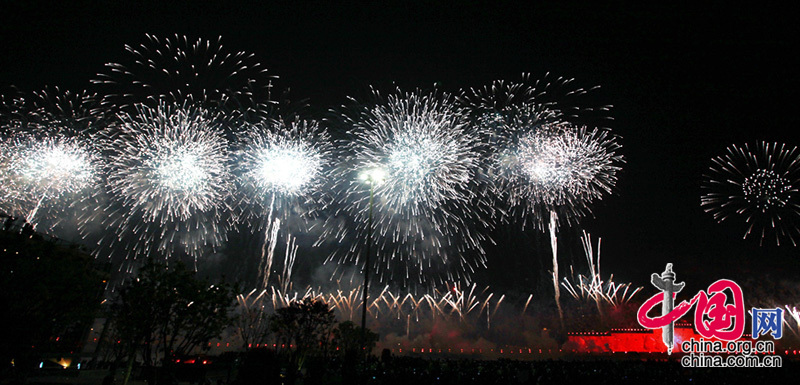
372, 177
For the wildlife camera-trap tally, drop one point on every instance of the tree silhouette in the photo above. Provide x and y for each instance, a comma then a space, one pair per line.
50, 291
169, 310
304, 328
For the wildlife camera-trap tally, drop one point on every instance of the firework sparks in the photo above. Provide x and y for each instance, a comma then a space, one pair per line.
593, 287
469, 305
793, 314
429, 202
180, 70
759, 184
550, 170
284, 162
545, 99
47, 159
282, 167
559, 167
36, 171
169, 178
252, 322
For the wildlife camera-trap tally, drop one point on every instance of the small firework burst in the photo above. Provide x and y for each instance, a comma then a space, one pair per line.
180, 70
49, 164
284, 163
49, 171
558, 168
543, 100
168, 178
429, 204
759, 184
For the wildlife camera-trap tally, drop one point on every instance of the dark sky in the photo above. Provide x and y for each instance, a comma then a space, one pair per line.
685, 81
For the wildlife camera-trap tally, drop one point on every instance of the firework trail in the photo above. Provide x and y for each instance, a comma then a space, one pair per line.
593, 287
793, 314
549, 170
179, 70
282, 167
168, 179
759, 184
48, 159
430, 208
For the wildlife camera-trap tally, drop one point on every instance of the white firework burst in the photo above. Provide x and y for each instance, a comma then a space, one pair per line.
429, 206
549, 170
559, 166
169, 178
48, 165
759, 184
282, 168
49, 171
181, 70
284, 159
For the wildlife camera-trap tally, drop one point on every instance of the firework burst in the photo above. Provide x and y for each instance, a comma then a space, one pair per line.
49, 165
558, 168
168, 179
423, 161
282, 165
759, 184
180, 70
45, 172
281, 168
549, 170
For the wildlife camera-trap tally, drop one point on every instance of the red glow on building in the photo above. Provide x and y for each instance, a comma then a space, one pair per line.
632, 340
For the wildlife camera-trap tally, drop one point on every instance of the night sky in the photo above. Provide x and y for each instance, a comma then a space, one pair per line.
685, 81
